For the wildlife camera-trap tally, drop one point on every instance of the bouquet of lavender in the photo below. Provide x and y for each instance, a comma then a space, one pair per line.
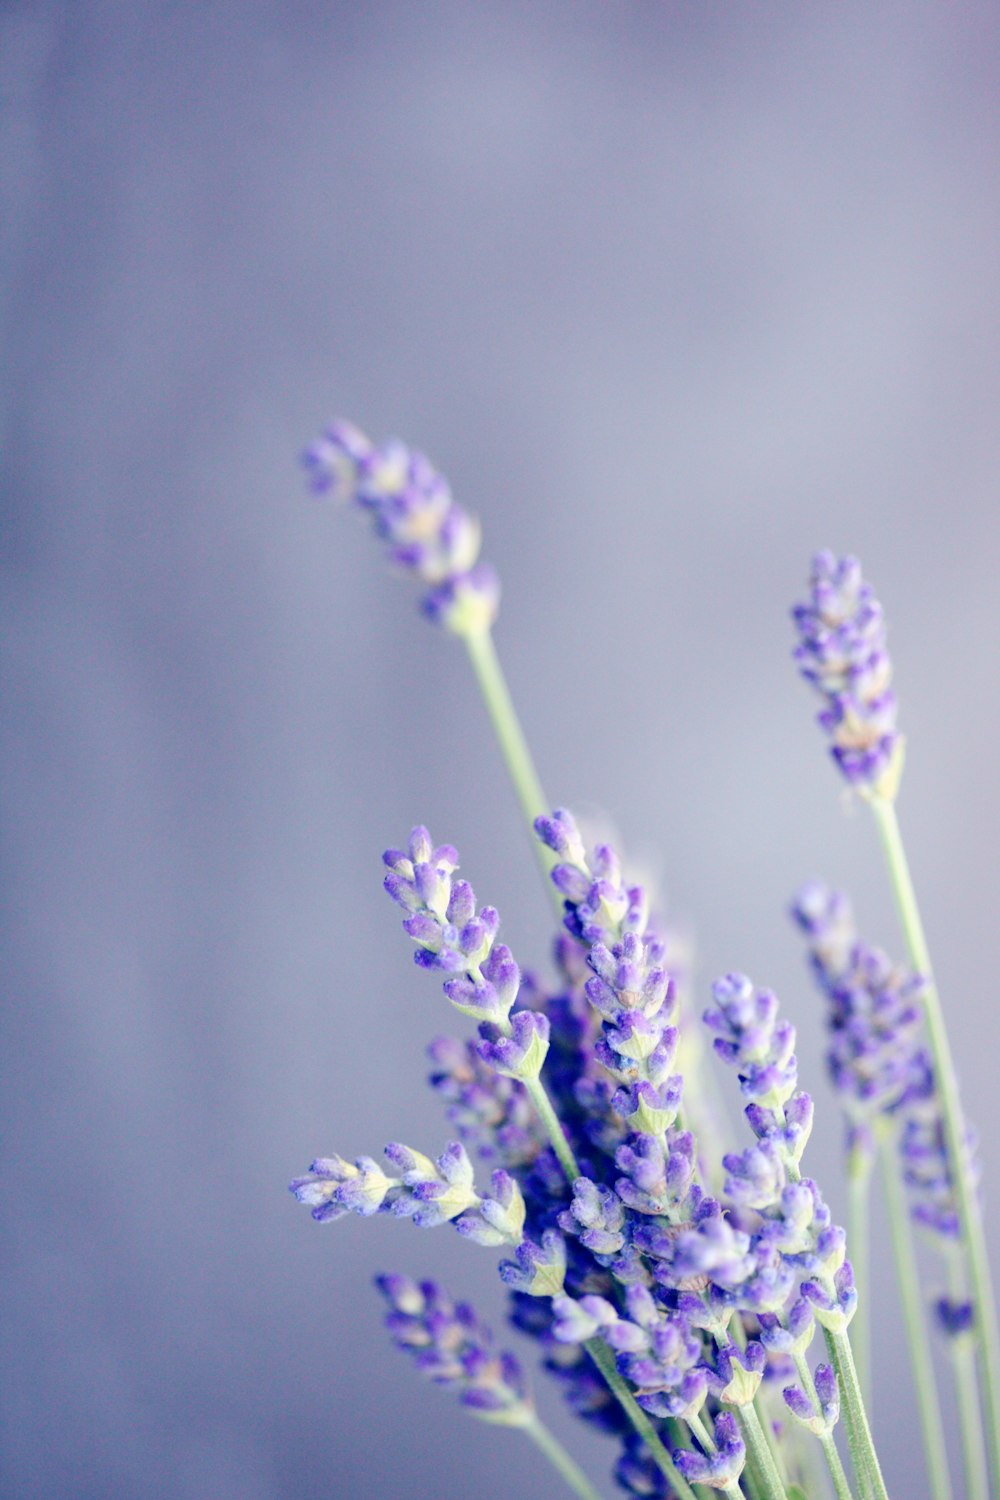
680, 1292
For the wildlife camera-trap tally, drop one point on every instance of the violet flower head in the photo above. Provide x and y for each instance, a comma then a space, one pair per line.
425, 530
452, 1347
629, 985
751, 1036
842, 652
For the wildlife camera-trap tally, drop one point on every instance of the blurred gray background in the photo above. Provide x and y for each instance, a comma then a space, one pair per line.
675, 294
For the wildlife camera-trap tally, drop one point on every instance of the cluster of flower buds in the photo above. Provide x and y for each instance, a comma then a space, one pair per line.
455, 938
842, 652
629, 984
428, 1192
452, 1347
411, 504
634, 1254
750, 1036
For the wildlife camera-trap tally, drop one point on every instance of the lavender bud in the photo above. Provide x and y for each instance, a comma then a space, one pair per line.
537, 1270
521, 1054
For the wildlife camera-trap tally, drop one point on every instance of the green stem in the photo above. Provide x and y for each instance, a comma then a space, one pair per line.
963, 1356
759, 1450
859, 1437
858, 1185
605, 1362
513, 745
827, 1443
560, 1460
707, 1442
966, 1199
554, 1131
921, 1353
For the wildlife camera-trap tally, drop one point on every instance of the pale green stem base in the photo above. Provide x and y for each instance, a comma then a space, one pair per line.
554, 1131
513, 745
915, 1320
605, 1362
963, 1357
966, 1199
859, 1438
827, 1443
858, 1238
560, 1460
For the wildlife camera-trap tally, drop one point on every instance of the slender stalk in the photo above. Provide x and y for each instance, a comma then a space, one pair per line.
859, 1437
827, 1443
967, 1202
560, 1460
513, 745
858, 1237
554, 1131
707, 1442
963, 1357
605, 1362
759, 1449
914, 1318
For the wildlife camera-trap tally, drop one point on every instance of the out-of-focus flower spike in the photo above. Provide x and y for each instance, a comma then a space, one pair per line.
425, 531
454, 1349
842, 652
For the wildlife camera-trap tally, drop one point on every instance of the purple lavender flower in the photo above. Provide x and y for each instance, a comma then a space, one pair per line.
425, 530
456, 939
751, 1037
734, 1374
428, 1192
842, 652
819, 1416
453, 1348
722, 1468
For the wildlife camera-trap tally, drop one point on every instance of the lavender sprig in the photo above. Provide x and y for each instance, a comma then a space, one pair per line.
483, 978
429, 535
877, 768
451, 1346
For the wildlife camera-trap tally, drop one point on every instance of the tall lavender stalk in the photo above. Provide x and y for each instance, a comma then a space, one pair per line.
429, 535
842, 652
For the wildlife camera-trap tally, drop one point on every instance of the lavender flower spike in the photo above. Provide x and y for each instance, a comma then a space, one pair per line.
426, 531
453, 1348
842, 652
452, 937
